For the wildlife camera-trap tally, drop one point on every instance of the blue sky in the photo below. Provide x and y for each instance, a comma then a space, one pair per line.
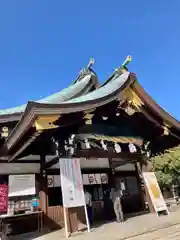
43, 45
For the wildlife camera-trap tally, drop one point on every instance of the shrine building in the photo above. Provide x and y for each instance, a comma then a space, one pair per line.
114, 128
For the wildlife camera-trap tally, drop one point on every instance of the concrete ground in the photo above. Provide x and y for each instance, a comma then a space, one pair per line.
172, 233
147, 227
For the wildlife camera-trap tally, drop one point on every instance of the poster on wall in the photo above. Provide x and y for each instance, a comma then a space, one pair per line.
53, 181
50, 181
91, 179
3, 198
104, 178
155, 192
88, 179
97, 178
71, 182
22, 185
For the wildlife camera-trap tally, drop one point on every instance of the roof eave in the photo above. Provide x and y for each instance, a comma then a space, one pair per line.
33, 110
152, 105
93, 82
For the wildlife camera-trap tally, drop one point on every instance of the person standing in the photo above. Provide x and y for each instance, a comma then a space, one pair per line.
116, 195
88, 199
107, 205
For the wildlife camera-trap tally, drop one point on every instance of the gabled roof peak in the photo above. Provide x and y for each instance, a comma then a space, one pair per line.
86, 79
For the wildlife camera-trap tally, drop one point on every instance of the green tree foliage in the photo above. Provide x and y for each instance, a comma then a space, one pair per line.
167, 167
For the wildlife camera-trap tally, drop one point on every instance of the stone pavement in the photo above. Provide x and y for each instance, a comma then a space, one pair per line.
168, 233
133, 228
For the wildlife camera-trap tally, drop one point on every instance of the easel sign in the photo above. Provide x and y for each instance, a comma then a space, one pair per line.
155, 192
72, 187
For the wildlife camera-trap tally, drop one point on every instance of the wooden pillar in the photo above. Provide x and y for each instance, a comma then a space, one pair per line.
43, 185
112, 178
141, 185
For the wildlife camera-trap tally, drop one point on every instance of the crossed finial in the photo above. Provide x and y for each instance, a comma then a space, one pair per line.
91, 62
126, 61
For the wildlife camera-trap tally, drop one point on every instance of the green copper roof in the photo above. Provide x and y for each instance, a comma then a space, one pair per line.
56, 98
103, 91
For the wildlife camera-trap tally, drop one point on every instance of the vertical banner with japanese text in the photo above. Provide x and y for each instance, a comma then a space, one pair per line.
71, 182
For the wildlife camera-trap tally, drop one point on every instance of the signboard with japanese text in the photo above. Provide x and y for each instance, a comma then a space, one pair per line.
95, 178
71, 182
154, 191
22, 185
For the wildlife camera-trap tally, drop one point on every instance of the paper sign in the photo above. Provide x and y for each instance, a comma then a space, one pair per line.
71, 182
21, 185
154, 191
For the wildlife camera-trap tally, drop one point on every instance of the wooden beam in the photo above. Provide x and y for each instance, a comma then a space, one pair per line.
158, 124
53, 171
20, 161
52, 162
89, 153
24, 146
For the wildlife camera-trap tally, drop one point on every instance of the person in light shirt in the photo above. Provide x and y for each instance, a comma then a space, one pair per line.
88, 200
116, 195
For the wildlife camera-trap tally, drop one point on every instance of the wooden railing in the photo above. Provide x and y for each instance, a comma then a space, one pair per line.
55, 214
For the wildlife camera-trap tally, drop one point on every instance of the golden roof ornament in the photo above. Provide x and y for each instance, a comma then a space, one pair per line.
126, 61
4, 131
123, 68
166, 130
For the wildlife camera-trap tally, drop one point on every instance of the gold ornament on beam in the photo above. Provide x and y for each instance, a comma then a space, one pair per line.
88, 115
132, 102
4, 132
166, 130
130, 109
88, 118
46, 122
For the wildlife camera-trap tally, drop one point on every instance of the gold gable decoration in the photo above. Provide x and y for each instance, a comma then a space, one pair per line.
46, 122
166, 129
133, 102
4, 132
88, 115
136, 141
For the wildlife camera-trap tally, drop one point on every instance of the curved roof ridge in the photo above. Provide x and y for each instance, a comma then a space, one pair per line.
102, 91
72, 91
114, 75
